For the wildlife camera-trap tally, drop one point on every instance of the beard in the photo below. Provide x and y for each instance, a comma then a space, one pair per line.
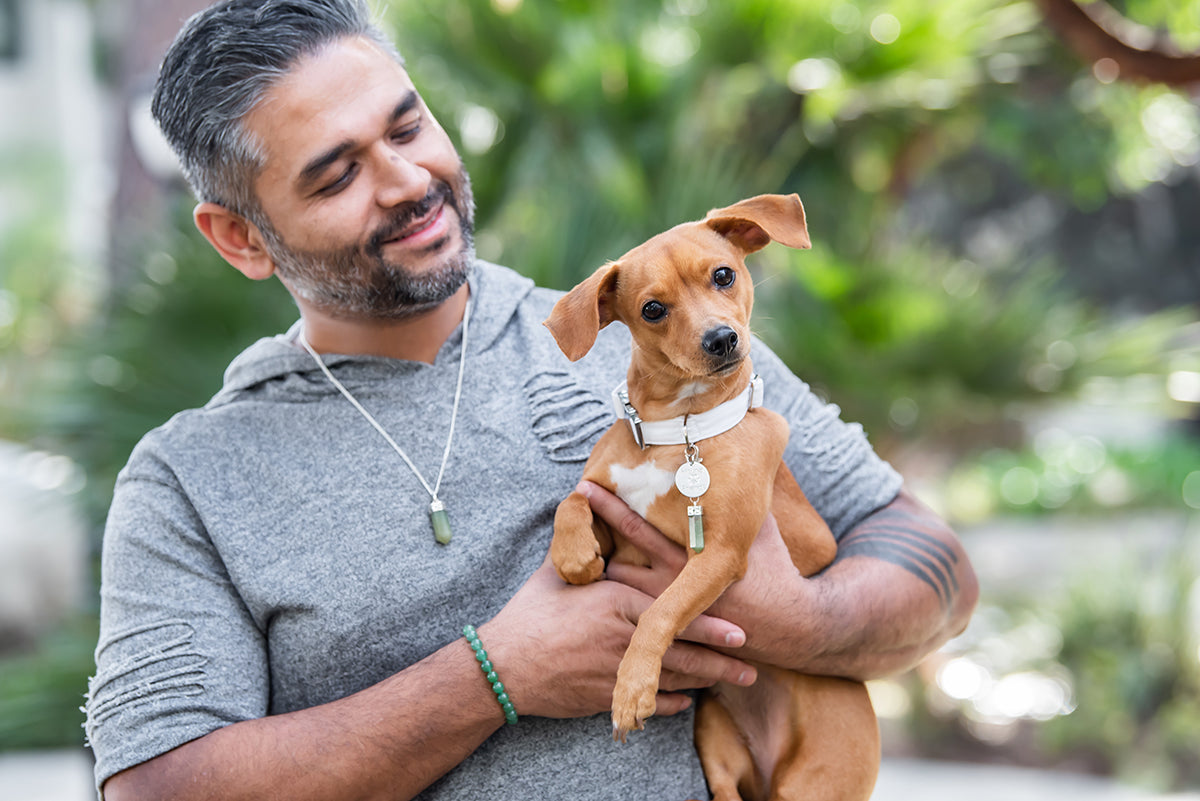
358, 281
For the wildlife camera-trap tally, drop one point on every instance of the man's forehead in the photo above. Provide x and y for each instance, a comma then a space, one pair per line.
326, 99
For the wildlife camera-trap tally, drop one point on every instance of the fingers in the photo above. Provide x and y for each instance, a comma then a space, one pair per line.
706, 630
631, 525
651, 582
691, 662
714, 631
688, 667
671, 703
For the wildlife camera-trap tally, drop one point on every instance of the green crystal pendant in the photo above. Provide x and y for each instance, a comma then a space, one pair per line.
441, 522
696, 528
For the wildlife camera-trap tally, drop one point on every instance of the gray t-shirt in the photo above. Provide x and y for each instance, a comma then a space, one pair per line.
270, 551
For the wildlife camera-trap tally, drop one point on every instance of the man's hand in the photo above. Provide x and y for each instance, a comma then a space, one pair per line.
557, 647
770, 576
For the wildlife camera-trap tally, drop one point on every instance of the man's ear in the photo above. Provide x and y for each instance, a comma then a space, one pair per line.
237, 240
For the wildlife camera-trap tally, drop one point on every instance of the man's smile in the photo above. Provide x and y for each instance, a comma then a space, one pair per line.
424, 231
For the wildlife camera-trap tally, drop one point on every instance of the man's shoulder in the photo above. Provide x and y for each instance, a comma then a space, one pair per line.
505, 284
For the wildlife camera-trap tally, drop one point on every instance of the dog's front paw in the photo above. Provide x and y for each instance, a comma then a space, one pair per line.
631, 706
574, 549
579, 565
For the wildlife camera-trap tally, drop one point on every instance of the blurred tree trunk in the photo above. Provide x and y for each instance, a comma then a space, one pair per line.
143, 31
1097, 31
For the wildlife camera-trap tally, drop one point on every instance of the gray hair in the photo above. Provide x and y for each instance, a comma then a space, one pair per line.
221, 64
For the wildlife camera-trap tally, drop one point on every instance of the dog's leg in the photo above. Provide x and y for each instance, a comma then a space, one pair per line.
576, 548
702, 580
837, 754
728, 764
808, 539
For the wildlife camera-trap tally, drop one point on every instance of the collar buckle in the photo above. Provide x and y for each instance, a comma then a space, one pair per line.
626, 410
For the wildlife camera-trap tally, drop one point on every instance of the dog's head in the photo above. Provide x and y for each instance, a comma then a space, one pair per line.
685, 294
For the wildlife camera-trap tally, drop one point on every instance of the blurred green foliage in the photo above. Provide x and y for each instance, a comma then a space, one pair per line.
45, 293
1077, 475
1179, 19
41, 691
1099, 674
1130, 645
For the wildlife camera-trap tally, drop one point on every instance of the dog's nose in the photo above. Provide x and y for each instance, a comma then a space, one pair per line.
720, 341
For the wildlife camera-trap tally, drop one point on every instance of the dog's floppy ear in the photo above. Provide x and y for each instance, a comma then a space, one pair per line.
580, 314
753, 223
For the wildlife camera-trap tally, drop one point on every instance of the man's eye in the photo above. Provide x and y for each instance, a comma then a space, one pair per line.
653, 311
407, 133
340, 183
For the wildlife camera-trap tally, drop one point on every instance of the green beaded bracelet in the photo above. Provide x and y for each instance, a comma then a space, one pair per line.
489, 672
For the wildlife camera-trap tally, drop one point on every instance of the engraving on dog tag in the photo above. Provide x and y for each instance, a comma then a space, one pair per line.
692, 479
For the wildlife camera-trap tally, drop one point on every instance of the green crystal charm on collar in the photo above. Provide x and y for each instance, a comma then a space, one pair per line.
696, 527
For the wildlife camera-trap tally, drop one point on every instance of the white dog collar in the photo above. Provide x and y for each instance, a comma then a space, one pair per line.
688, 428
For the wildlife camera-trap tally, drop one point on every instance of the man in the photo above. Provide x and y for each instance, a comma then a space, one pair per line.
278, 619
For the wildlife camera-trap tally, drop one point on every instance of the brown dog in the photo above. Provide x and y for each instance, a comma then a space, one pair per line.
702, 462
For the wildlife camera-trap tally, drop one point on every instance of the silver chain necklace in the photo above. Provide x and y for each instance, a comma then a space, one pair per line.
437, 509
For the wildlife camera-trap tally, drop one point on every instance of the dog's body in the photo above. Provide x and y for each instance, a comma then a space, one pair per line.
686, 296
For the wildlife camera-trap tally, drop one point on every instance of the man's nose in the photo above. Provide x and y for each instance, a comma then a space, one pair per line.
400, 180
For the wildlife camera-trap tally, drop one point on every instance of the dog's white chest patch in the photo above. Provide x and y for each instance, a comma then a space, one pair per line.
692, 389
641, 486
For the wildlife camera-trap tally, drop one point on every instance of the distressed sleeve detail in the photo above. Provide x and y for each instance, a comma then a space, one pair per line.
566, 418
144, 665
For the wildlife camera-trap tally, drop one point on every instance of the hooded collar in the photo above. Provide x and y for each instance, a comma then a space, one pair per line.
497, 292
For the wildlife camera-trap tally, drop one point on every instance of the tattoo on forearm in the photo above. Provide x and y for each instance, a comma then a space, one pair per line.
900, 541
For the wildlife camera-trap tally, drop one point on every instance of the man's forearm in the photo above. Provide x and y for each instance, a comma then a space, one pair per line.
901, 586
389, 741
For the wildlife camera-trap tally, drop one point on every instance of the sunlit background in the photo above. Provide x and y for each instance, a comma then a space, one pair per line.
1004, 289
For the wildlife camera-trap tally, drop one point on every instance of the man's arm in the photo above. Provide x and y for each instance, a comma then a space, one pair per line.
900, 587
903, 586
555, 647
363, 746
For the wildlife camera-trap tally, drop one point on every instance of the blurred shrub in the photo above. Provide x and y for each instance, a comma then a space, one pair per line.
1130, 642
1103, 677
46, 294
41, 691
927, 347
1077, 475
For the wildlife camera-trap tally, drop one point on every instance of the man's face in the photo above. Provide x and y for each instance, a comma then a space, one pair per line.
370, 210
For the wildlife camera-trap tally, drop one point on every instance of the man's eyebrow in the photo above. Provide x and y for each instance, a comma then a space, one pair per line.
312, 171
406, 104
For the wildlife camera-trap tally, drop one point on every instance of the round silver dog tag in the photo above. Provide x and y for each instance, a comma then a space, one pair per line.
692, 479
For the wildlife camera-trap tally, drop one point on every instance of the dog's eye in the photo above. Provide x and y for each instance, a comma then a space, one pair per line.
723, 276
653, 311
